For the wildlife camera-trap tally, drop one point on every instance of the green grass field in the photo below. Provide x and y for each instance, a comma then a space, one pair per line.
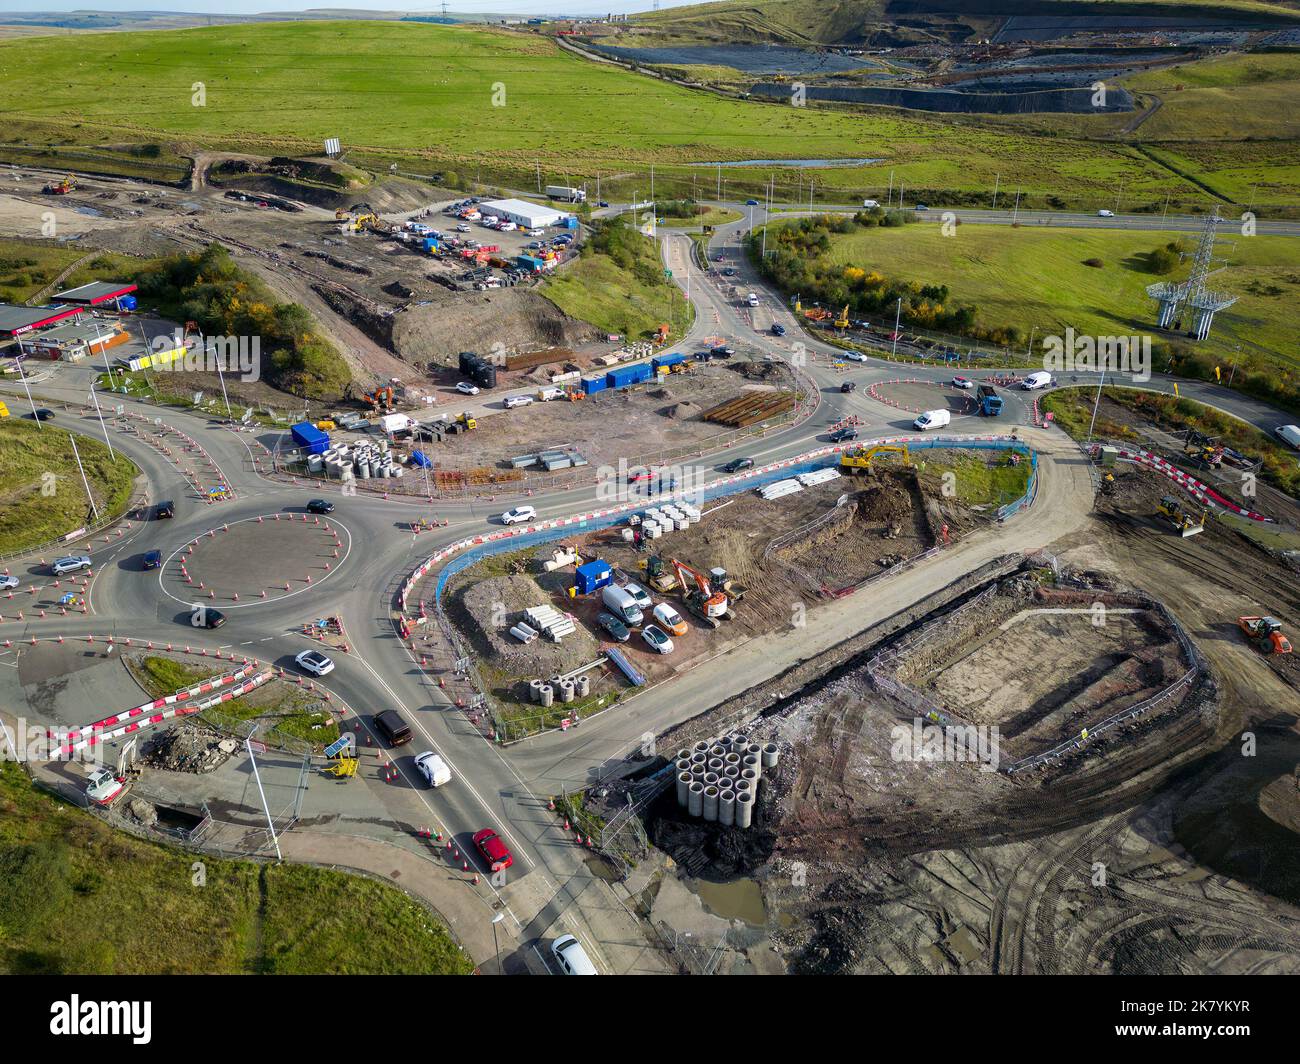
1035, 279
28, 266
423, 96
42, 496
78, 897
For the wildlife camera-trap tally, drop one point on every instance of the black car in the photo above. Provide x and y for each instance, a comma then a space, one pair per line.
320, 506
152, 559
213, 618
602, 203
722, 351
737, 464
164, 510
41, 414
842, 435
614, 628
778, 329
392, 729
848, 386
730, 271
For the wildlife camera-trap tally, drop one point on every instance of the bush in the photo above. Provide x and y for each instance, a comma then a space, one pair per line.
1096, 264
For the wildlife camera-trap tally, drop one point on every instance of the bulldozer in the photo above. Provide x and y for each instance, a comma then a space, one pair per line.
1266, 634
464, 420
1177, 515
710, 606
658, 574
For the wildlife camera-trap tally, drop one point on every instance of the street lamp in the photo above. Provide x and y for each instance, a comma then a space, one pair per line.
22, 375
104, 428
898, 317
496, 951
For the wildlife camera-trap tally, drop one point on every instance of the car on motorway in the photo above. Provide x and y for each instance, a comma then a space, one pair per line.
751, 203
314, 662
152, 560
670, 619
730, 271
571, 957
433, 768
203, 617
721, 256
602, 203
920, 207
1105, 214
512, 401
737, 464
848, 386
320, 506
73, 563
518, 514
962, 382
869, 204
854, 356
392, 729
466, 388
1288, 434
844, 435
613, 627
657, 639
8, 582
778, 329
494, 851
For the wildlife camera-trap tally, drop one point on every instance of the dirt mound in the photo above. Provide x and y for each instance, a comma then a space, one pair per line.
518, 320
322, 184
680, 411
887, 502
187, 748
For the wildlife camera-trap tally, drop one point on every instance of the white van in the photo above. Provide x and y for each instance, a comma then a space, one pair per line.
545, 395
1037, 380
870, 204
1288, 434
932, 419
621, 604
1105, 214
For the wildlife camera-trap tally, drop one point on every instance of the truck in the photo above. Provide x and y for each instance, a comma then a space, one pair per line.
308, 437
989, 400
564, 192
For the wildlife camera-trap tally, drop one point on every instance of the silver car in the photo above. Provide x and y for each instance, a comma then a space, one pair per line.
71, 564
8, 583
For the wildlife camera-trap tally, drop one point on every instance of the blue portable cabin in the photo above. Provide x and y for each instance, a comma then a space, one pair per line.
592, 385
309, 438
592, 576
628, 375
429, 243
571, 222
663, 361
420, 460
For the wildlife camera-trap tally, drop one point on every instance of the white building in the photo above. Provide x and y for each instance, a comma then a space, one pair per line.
524, 214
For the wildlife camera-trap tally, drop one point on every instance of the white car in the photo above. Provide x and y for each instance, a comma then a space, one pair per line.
854, 356
462, 228
314, 662
571, 957
102, 786
519, 514
1288, 434
512, 401
465, 388
962, 382
433, 768
71, 564
8, 583
657, 638
640, 596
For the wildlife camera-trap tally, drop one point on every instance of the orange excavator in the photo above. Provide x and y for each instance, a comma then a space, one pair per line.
380, 400
710, 606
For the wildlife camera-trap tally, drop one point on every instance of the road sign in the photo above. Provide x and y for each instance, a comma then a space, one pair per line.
257, 746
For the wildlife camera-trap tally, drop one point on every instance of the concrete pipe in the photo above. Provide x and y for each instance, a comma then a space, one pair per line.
546, 694
535, 690
710, 803
739, 742
566, 691
754, 748
582, 686
695, 798
710, 779
744, 787
771, 755
715, 764
717, 750
702, 746
754, 764
732, 759
744, 809
683, 787
725, 742
682, 766
726, 808
748, 775
683, 755
699, 758
731, 772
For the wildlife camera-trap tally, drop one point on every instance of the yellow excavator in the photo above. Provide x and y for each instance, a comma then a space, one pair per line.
842, 322
858, 461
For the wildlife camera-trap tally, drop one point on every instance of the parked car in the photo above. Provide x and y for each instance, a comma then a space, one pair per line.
613, 627
392, 729
519, 514
433, 768
462, 228
670, 619
466, 388
494, 851
320, 506
844, 435
737, 464
8, 583
512, 401
314, 662
962, 382
73, 563
152, 560
657, 638
571, 957
778, 329
640, 596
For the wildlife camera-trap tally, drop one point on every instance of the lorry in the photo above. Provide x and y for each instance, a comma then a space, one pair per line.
564, 192
932, 419
989, 400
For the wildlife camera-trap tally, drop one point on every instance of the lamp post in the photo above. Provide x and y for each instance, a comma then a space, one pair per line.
496, 951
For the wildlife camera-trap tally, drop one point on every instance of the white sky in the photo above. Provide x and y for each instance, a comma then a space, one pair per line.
253, 7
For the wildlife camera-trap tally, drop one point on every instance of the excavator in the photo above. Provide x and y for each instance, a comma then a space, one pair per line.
842, 322
1266, 634
858, 460
68, 184
380, 400
701, 599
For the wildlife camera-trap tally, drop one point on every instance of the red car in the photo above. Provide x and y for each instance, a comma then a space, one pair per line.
494, 851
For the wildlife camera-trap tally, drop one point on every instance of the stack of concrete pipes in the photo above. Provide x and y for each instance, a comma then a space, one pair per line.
717, 779
365, 460
565, 688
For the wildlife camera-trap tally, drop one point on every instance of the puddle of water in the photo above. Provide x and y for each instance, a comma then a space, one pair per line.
741, 899
801, 164
90, 211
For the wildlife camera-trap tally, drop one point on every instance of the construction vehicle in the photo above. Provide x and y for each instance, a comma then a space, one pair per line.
68, 184
464, 420
721, 579
816, 313
701, 599
1185, 524
380, 400
657, 574
842, 322
1266, 634
858, 461
661, 334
